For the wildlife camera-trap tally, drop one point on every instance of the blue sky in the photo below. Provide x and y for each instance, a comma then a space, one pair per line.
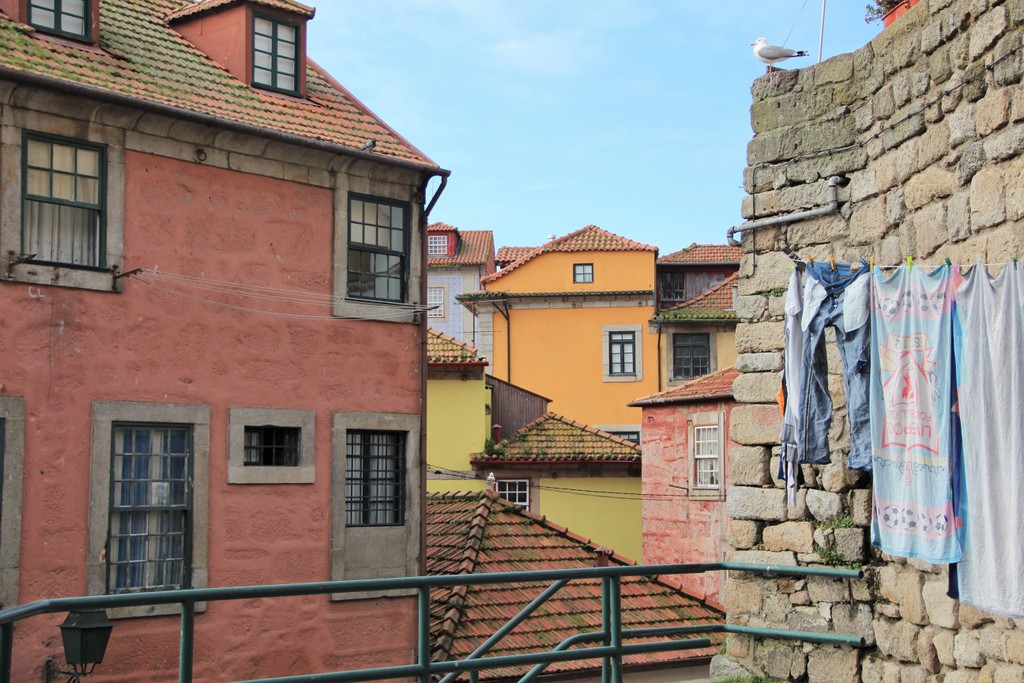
632, 115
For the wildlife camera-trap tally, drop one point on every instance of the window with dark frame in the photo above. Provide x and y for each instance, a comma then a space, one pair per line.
62, 207
705, 457
691, 355
378, 243
515, 491
149, 537
621, 353
66, 17
271, 446
583, 273
275, 54
374, 478
632, 437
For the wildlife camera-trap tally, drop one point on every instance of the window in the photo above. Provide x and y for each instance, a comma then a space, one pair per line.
62, 211
705, 457
271, 446
437, 245
691, 355
583, 272
378, 243
68, 17
515, 491
435, 302
150, 508
633, 437
374, 478
12, 458
148, 500
275, 54
622, 353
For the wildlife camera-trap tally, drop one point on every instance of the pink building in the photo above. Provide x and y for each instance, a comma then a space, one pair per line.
212, 335
685, 474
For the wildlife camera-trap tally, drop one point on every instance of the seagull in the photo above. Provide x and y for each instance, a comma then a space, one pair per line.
773, 54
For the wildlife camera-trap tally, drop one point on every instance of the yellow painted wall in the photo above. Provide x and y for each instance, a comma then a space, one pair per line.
557, 351
457, 425
609, 521
726, 342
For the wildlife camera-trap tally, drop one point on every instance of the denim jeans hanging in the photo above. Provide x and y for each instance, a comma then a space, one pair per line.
837, 298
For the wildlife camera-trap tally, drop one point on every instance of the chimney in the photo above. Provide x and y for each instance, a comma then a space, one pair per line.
496, 433
603, 556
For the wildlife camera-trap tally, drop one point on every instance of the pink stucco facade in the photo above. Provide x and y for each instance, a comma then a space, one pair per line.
681, 522
174, 336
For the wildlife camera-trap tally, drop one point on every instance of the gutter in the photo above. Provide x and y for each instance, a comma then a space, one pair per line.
834, 183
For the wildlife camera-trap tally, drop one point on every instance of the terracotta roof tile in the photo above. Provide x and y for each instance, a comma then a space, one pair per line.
589, 238
716, 303
716, 385
192, 8
480, 533
705, 254
476, 248
509, 255
553, 438
144, 60
445, 350
441, 227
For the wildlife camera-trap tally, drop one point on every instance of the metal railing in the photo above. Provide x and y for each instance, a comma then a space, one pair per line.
612, 636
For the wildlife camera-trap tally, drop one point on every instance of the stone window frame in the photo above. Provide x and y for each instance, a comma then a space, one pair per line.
638, 357
12, 450
371, 552
697, 420
13, 143
302, 473
104, 415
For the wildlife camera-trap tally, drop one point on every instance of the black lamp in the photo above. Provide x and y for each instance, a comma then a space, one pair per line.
85, 635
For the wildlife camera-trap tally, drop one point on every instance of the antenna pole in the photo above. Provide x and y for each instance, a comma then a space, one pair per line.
821, 33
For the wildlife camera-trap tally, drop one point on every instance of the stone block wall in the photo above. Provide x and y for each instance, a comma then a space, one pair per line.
927, 122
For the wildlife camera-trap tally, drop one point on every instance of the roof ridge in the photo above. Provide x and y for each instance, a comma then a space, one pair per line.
192, 7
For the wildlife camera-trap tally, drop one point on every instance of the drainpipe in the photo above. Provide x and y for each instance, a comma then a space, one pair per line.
834, 183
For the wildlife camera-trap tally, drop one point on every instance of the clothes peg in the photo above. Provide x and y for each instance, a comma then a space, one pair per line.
910, 263
810, 259
832, 260
948, 263
1015, 263
871, 263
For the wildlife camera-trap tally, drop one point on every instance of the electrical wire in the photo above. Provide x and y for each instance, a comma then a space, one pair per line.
795, 22
608, 495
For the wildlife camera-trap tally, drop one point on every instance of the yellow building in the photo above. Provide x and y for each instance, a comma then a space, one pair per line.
569, 320
576, 476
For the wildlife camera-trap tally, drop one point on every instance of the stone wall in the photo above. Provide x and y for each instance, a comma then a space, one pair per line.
927, 122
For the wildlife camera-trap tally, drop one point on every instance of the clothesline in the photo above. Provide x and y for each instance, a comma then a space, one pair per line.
856, 265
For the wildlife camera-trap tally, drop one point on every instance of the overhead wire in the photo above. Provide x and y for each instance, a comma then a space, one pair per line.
608, 495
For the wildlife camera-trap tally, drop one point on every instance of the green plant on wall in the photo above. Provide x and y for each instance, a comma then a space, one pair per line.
876, 9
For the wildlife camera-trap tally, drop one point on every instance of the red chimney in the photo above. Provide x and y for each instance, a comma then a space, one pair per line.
496, 433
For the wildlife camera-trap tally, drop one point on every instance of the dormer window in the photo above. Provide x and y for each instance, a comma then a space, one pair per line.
63, 17
275, 54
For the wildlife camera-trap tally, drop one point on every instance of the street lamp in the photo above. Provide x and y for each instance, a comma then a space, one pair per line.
85, 635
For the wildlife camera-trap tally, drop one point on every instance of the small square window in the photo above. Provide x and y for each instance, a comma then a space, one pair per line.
275, 54
515, 491
65, 17
437, 245
583, 272
374, 478
271, 446
435, 302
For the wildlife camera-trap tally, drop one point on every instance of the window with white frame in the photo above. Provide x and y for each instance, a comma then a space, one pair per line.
437, 245
706, 461
583, 273
435, 302
515, 491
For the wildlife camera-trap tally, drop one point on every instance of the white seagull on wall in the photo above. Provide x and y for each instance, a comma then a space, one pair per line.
773, 54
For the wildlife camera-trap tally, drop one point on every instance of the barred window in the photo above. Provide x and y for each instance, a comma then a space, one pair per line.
378, 237
705, 457
374, 478
150, 533
270, 446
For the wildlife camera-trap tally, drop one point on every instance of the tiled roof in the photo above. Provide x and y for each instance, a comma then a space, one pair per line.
585, 294
553, 438
509, 255
192, 8
589, 238
445, 350
714, 386
474, 533
476, 247
716, 303
705, 254
144, 62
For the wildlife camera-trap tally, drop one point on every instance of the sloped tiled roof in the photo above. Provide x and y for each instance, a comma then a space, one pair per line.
707, 387
474, 533
476, 247
553, 438
716, 303
445, 350
192, 8
509, 255
589, 238
144, 62
705, 254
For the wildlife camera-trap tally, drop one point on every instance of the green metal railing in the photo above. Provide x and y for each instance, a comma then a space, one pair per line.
612, 636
